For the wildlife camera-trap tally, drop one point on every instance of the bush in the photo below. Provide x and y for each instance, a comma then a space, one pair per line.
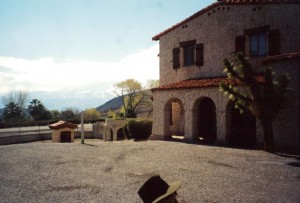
125, 131
139, 129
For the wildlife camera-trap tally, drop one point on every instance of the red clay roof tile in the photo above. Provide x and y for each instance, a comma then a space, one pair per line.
201, 83
62, 124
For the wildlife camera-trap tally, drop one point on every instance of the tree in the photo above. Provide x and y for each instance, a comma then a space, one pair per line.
70, 113
19, 98
152, 84
263, 99
91, 114
146, 106
55, 114
38, 111
131, 94
12, 112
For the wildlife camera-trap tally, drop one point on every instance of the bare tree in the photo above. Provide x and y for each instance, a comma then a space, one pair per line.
20, 98
131, 94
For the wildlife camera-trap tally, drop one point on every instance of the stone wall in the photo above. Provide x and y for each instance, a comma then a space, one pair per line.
190, 100
217, 30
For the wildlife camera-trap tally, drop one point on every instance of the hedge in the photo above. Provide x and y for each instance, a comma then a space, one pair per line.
138, 129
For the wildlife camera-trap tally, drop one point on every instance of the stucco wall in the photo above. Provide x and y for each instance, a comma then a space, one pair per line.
217, 30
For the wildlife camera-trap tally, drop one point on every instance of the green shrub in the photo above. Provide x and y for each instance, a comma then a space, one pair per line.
139, 129
125, 131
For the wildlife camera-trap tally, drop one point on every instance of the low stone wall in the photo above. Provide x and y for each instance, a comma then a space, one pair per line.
15, 139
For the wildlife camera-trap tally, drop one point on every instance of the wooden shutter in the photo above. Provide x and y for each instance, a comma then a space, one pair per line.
176, 58
199, 55
274, 42
240, 42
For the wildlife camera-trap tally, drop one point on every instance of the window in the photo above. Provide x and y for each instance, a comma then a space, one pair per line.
262, 41
192, 54
188, 52
258, 44
188, 55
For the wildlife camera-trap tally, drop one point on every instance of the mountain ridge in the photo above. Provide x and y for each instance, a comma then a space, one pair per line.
113, 104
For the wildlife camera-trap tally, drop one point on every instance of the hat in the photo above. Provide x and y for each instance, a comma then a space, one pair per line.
155, 189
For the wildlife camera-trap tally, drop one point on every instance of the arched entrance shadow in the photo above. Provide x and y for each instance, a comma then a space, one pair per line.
240, 128
204, 121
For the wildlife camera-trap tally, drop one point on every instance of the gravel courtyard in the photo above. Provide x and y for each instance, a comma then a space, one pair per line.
113, 172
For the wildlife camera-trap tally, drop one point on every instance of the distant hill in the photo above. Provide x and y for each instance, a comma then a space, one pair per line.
113, 104
116, 104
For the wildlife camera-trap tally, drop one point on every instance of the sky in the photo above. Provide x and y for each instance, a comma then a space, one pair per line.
70, 53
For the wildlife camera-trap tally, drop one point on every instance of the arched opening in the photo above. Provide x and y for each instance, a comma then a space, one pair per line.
174, 119
206, 120
120, 134
241, 128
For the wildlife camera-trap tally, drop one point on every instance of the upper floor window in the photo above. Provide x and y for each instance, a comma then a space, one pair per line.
188, 54
258, 44
261, 42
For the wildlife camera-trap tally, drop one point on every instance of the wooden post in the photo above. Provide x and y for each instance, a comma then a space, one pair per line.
82, 127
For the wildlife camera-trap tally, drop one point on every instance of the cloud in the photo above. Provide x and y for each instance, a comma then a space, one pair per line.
73, 83
47, 74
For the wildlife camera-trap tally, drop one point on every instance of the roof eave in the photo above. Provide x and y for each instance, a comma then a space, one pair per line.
202, 11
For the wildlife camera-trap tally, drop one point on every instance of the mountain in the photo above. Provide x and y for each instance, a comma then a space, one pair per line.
143, 110
113, 104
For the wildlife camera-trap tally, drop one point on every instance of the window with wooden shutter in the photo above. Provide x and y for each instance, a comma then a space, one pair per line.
240, 42
176, 58
199, 55
188, 48
258, 44
274, 42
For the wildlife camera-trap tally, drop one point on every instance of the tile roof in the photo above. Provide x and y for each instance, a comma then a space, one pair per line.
62, 124
223, 3
259, 1
201, 83
282, 57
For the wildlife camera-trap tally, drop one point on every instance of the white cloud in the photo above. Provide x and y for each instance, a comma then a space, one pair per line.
46, 74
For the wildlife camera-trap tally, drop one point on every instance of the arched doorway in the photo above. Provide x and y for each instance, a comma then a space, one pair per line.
174, 119
241, 130
120, 134
206, 120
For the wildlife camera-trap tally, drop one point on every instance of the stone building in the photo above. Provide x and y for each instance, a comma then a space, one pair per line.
188, 102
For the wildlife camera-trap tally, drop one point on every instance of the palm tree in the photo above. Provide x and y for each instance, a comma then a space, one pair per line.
36, 109
264, 99
12, 112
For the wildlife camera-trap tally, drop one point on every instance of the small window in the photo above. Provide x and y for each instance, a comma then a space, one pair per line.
258, 44
189, 55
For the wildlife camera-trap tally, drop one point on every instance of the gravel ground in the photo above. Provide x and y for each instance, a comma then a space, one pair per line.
114, 171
